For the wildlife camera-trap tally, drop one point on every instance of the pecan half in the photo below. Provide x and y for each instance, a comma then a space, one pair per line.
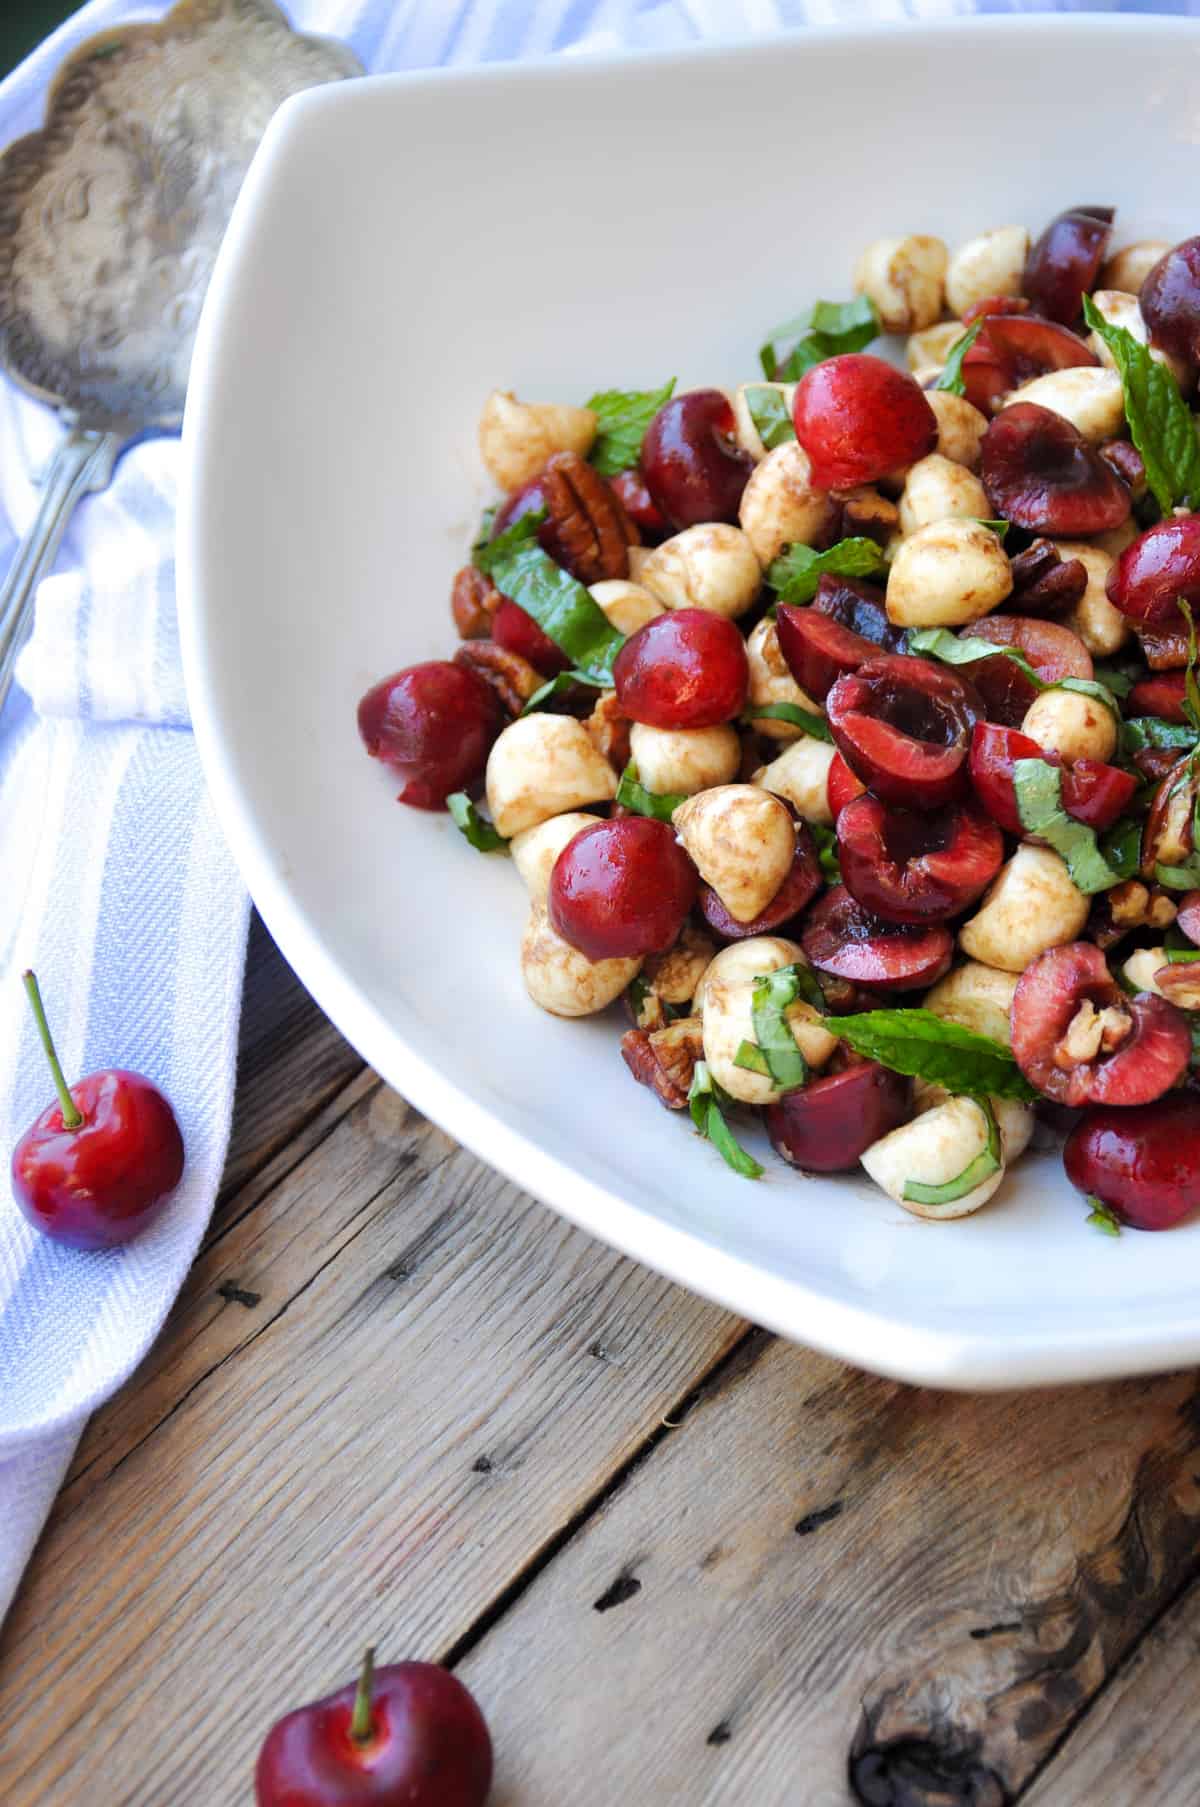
1165, 649
609, 730
513, 678
474, 599
589, 522
1126, 460
665, 1059
1044, 583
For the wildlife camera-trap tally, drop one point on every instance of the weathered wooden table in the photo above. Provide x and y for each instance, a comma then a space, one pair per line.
679, 1561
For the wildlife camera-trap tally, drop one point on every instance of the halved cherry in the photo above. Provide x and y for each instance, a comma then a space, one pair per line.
1161, 566
800, 886
903, 726
1144, 1164
1045, 584
818, 649
824, 1127
516, 631
991, 305
860, 607
1161, 695
858, 418
1092, 792
842, 938
1063, 265
910, 867
1053, 650
1040, 472
1097, 793
1080, 1040
841, 786
1014, 348
1188, 918
1005, 691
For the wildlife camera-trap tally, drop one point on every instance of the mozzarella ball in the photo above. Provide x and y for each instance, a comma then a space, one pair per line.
540, 766
961, 427
725, 1002
1091, 399
683, 761
992, 264
1120, 309
947, 574
978, 997
800, 775
903, 277
771, 681
932, 346
933, 1149
938, 489
1072, 725
1014, 1121
560, 980
748, 436
516, 438
742, 842
1030, 905
1129, 267
627, 606
535, 850
1102, 628
781, 505
711, 566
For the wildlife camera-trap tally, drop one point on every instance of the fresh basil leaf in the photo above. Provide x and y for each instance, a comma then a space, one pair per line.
522, 532
829, 331
468, 821
1150, 731
924, 1046
999, 528
1038, 789
1121, 847
952, 377
827, 853
560, 605
794, 574
1113, 678
953, 649
988, 1161
483, 535
846, 325
633, 796
1099, 693
1160, 422
770, 413
704, 1102
773, 994
622, 416
1101, 1217
559, 685
813, 725
1180, 878
752, 1059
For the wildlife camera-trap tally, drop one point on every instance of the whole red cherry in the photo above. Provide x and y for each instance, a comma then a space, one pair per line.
1143, 1163
1063, 265
622, 889
434, 725
692, 464
859, 418
1170, 301
684, 669
409, 1735
515, 629
1151, 575
97, 1166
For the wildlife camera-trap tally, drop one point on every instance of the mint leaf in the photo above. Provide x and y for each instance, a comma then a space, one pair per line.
1160, 422
1038, 788
772, 995
953, 649
829, 331
560, 605
813, 725
558, 685
490, 553
704, 1102
770, 413
1101, 1217
924, 1046
1150, 731
467, 819
794, 574
633, 796
951, 378
988, 1161
622, 416
1121, 847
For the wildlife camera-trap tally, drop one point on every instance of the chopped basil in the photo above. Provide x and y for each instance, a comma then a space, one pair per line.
1160, 422
999, 528
773, 995
952, 376
770, 413
488, 554
952, 649
1116, 679
988, 1161
622, 416
794, 574
1150, 731
1101, 1217
633, 796
814, 725
925, 1046
1038, 789
1180, 878
829, 331
467, 819
705, 1100
827, 853
1121, 846
560, 605
751, 1057
556, 686
484, 534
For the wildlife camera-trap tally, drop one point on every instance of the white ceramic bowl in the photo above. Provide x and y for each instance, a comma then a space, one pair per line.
406, 244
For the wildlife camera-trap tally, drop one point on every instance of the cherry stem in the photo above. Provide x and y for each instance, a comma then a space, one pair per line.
360, 1723
71, 1117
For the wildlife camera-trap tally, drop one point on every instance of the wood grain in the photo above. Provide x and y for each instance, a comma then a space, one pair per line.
428, 1377
825, 1588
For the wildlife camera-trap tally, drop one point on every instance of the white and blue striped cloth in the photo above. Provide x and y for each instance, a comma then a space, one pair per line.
114, 879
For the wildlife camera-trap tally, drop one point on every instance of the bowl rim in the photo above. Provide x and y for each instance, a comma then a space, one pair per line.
942, 1357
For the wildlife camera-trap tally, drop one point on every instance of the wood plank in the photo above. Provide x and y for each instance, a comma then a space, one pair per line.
1141, 1740
436, 1376
822, 1575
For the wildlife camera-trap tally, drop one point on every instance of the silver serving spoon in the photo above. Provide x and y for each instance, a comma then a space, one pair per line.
110, 221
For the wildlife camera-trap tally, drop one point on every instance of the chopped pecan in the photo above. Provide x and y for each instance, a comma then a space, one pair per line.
474, 599
609, 730
1181, 983
1044, 583
1126, 460
665, 1059
675, 975
513, 678
1155, 762
649, 1012
865, 512
1165, 649
590, 523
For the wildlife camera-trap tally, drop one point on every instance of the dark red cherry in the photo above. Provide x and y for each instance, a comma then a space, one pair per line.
629, 487
842, 938
1053, 650
841, 786
433, 725
818, 649
691, 462
1041, 473
1012, 349
622, 889
684, 669
516, 630
1044, 584
916, 867
1063, 265
992, 305
798, 889
1092, 791
859, 418
1097, 793
1142, 1045
1161, 695
1161, 566
859, 607
904, 726
1004, 690
825, 1126
1144, 1164
1170, 301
